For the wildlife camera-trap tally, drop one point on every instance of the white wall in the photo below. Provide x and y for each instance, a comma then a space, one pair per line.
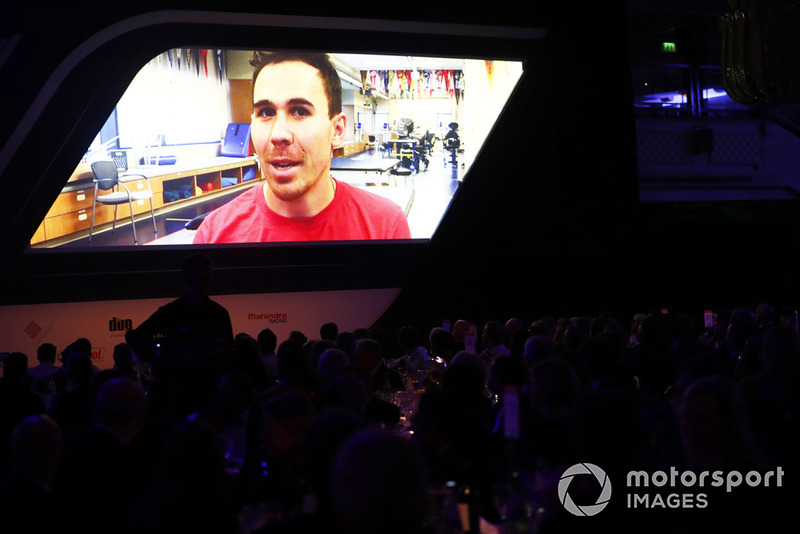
488, 86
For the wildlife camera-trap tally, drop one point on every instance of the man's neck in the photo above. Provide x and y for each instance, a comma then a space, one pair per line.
308, 205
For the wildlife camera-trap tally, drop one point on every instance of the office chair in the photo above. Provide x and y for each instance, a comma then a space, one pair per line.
452, 142
372, 142
107, 178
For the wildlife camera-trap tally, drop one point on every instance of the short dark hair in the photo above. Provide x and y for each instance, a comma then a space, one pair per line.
46, 352
327, 72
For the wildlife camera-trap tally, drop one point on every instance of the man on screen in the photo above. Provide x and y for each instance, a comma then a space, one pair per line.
297, 121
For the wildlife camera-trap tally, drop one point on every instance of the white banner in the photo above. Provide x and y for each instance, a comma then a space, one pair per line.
24, 327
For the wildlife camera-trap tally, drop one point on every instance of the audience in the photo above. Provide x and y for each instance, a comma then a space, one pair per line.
300, 434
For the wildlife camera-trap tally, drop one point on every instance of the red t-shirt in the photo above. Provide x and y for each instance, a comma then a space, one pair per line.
352, 214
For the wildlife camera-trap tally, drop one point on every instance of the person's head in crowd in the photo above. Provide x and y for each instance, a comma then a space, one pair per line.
537, 348
465, 377
324, 439
514, 323
293, 359
317, 347
46, 353
234, 395
506, 370
81, 345
330, 362
494, 334
286, 420
379, 484
363, 332
346, 341
469, 358
368, 354
15, 367
197, 271
764, 314
459, 331
441, 344
121, 406
123, 357
542, 326
408, 338
299, 336
78, 368
35, 449
574, 335
329, 331
267, 341
739, 332
352, 385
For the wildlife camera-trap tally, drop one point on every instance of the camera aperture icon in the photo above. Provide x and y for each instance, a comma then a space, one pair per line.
602, 480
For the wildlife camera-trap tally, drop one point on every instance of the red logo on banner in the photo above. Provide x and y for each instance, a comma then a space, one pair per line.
33, 329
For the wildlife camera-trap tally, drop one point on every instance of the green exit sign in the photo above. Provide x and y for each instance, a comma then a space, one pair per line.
668, 47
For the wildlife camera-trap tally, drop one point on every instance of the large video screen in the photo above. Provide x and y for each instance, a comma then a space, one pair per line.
208, 146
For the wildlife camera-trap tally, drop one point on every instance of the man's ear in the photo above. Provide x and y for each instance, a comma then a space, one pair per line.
338, 128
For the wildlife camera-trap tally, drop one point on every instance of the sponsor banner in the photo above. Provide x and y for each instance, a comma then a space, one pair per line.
104, 323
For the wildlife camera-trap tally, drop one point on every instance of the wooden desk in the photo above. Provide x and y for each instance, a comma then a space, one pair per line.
172, 185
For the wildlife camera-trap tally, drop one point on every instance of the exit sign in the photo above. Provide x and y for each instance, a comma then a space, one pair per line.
668, 47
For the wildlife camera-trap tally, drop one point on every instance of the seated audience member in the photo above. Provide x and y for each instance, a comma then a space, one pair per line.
506, 376
267, 343
553, 390
465, 377
234, 414
316, 347
461, 328
105, 455
362, 332
493, 339
352, 392
295, 372
17, 398
43, 372
329, 331
79, 346
772, 394
456, 446
246, 358
329, 364
190, 491
537, 348
71, 408
346, 341
368, 354
442, 345
415, 354
716, 433
27, 501
379, 484
274, 473
127, 365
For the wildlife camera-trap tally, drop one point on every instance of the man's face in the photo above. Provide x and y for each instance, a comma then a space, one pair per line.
291, 131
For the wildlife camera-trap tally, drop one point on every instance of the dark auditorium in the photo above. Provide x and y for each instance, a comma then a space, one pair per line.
395, 269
